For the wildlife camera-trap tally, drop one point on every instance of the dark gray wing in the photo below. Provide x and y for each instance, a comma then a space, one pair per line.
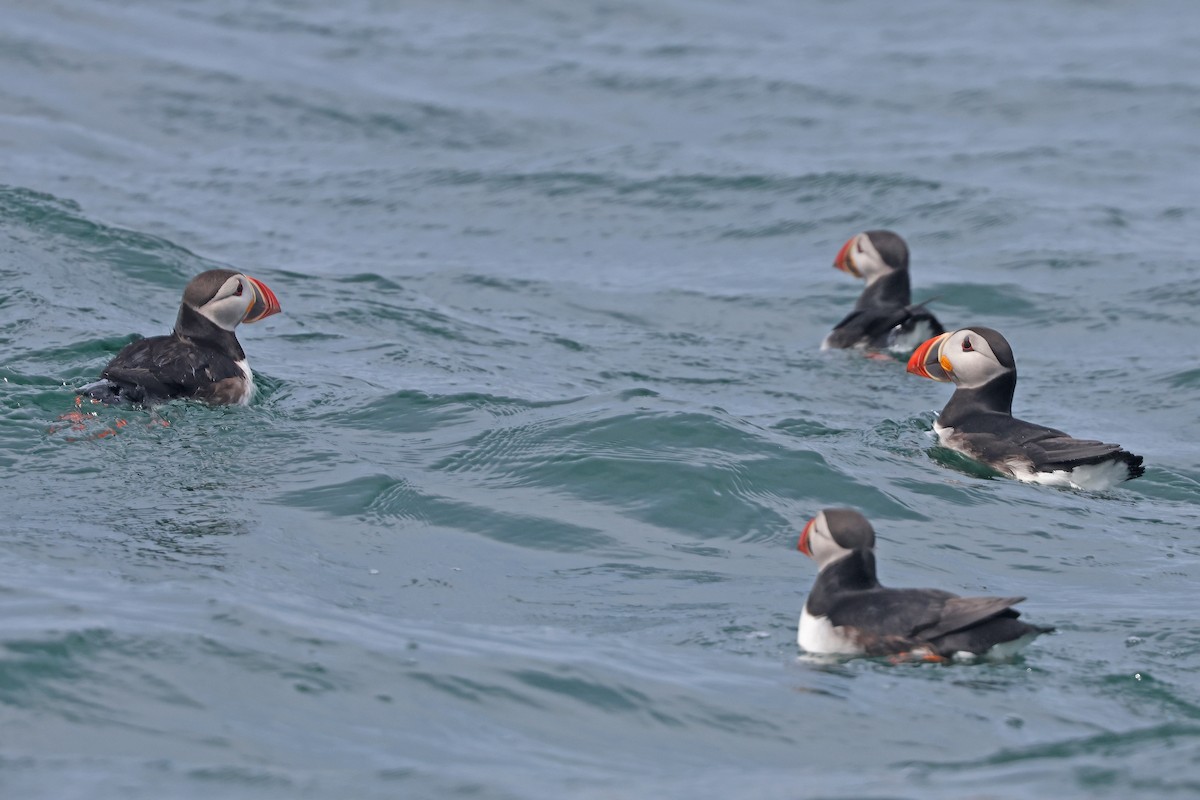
996, 438
959, 613
877, 326
850, 332
892, 621
883, 621
166, 367
1064, 452
916, 316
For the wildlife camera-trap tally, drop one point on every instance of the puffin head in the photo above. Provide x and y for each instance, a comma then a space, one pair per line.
970, 357
227, 298
872, 254
835, 533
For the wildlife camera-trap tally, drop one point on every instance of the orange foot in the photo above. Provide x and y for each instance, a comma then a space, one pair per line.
917, 655
78, 421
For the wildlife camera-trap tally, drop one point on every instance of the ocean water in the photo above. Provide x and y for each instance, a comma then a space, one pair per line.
514, 513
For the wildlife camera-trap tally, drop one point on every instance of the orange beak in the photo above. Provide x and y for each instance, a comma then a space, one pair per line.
844, 261
803, 546
264, 303
927, 362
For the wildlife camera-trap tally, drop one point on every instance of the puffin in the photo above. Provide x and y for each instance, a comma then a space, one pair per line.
884, 318
201, 359
848, 613
978, 420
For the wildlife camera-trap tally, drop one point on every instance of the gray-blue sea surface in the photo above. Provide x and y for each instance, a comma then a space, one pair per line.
514, 512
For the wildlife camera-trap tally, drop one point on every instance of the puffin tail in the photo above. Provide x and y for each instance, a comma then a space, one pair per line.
1136, 470
997, 639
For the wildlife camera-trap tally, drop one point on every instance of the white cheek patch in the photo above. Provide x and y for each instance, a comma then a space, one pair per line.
226, 313
824, 549
867, 260
971, 372
974, 367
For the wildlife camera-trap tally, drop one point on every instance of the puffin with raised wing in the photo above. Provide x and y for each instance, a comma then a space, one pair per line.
201, 359
849, 613
884, 318
978, 420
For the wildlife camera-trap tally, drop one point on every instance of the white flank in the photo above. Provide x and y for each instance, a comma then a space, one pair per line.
944, 434
244, 366
819, 635
1089, 477
999, 652
1098, 477
907, 342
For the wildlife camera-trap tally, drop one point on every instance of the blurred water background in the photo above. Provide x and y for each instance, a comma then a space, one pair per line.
514, 513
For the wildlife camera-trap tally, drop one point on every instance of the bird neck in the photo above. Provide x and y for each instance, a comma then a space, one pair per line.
890, 290
995, 396
852, 573
192, 325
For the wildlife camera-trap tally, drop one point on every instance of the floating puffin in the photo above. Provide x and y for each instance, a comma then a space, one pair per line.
978, 420
201, 359
849, 613
884, 317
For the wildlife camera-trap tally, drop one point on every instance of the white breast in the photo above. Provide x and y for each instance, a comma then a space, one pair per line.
819, 635
244, 366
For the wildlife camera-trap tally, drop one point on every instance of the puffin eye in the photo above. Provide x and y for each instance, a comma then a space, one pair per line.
238, 291
967, 346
